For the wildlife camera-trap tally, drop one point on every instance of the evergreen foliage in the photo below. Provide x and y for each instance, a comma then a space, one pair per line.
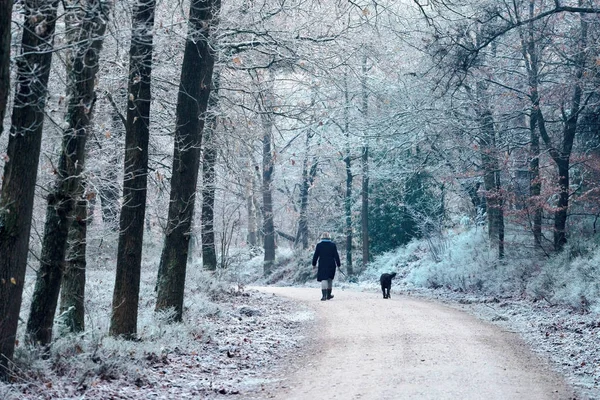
400, 213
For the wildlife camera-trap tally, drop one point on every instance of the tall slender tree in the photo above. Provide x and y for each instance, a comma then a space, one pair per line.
309, 171
192, 103
137, 136
530, 51
20, 170
86, 24
209, 160
251, 208
561, 154
349, 179
365, 169
265, 104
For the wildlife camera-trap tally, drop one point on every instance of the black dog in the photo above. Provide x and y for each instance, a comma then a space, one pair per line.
386, 284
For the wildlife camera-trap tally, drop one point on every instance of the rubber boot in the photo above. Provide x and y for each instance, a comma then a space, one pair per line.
324, 292
329, 295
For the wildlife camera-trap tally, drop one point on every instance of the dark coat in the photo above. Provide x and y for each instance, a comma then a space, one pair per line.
327, 255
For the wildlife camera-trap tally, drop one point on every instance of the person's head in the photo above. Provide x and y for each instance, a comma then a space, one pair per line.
326, 236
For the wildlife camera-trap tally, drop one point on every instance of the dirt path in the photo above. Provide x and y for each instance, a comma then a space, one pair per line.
365, 347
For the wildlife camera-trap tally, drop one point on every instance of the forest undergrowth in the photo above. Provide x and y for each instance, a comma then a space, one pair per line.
231, 342
234, 341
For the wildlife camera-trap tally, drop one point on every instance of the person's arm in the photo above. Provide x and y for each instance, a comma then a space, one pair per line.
316, 256
336, 256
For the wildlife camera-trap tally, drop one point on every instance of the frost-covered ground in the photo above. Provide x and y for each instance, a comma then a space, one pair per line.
238, 342
234, 352
232, 341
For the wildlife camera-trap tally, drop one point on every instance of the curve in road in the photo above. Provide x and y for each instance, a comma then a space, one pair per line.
364, 347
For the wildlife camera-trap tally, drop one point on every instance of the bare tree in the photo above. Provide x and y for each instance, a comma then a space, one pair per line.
20, 170
364, 218
349, 179
561, 154
491, 170
531, 55
309, 171
137, 135
192, 102
209, 160
86, 23
265, 104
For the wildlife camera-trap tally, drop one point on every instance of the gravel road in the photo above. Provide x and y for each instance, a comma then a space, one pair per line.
364, 347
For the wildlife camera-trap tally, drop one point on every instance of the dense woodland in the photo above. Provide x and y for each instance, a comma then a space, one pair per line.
210, 128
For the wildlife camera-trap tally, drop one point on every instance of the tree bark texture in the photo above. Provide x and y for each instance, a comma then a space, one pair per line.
72, 293
535, 185
530, 56
209, 160
251, 209
308, 176
364, 218
137, 136
192, 102
266, 107
5, 37
349, 179
267, 196
20, 171
86, 24
491, 181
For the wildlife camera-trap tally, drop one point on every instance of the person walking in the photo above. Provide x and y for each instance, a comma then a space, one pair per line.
327, 256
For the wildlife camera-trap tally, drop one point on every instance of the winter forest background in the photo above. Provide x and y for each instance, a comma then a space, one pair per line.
167, 150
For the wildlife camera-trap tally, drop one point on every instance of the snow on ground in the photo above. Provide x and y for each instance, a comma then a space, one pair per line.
237, 342
243, 348
236, 351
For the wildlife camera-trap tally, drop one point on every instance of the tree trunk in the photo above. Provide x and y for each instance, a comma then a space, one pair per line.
137, 133
364, 218
5, 38
250, 200
562, 155
192, 102
349, 178
308, 176
266, 107
491, 180
86, 25
562, 206
20, 171
72, 294
530, 57
535, 183
209, 160
267, 180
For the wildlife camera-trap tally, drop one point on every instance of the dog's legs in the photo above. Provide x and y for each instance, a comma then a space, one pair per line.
383, 290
